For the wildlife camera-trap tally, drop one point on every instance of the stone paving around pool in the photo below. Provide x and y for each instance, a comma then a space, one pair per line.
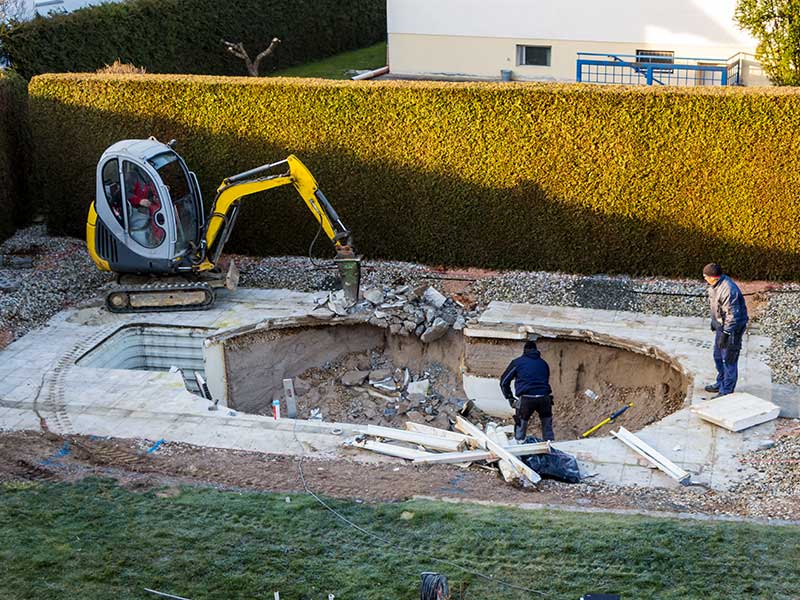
39, 371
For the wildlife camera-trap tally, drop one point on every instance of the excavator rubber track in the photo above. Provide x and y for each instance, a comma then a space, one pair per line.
159, 297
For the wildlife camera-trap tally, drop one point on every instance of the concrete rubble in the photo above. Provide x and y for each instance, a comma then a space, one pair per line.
367, 387
425, 445
422, 311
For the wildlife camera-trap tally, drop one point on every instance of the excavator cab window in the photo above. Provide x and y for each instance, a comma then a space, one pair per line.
144, 205
113, 190
184, 205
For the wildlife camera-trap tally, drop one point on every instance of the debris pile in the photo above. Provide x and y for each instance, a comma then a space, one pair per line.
423, 444
367, 387
422, 311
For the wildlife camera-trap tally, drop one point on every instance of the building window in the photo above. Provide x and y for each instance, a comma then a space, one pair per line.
538, 56
666, 57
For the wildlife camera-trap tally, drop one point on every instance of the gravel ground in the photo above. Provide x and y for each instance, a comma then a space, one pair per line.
682, 298
299, 273
780, 321
63, 275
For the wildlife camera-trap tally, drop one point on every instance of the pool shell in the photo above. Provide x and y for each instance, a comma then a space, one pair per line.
251, 363
145, 347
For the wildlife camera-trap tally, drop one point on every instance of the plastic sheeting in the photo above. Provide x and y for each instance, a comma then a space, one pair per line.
557, 465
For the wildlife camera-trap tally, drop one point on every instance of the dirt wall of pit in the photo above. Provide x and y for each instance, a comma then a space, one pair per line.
257, 362
618, 376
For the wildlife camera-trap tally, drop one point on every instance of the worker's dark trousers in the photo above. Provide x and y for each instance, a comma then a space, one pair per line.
543, 406
727, 361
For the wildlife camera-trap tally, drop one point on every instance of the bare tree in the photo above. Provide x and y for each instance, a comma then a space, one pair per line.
252, 65
12, 9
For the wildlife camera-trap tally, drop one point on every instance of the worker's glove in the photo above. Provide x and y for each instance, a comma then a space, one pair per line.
513, 402
724, 339
712, 326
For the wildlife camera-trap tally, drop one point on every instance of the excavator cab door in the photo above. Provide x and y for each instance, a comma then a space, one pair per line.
182, 199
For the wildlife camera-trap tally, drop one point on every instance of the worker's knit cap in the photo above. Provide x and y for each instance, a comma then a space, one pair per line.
530, 345
712, 270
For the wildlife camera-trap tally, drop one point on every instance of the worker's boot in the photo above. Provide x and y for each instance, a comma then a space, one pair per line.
520, 427
547, 429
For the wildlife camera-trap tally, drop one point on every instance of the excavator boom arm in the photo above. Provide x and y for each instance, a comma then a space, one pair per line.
232, 189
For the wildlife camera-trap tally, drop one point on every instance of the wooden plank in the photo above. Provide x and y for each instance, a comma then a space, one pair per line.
737, 411
521, 468
429, 441
477, 455
455, 457
651, 454
443, 433
652, 457
506, 470
392, 450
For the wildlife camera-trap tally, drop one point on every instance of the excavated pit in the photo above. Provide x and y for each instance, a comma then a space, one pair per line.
616, 375
318, 356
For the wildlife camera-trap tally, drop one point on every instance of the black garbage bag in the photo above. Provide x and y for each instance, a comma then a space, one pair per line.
557, 465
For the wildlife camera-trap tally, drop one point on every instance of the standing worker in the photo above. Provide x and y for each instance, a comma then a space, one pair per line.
531, 376
728, 321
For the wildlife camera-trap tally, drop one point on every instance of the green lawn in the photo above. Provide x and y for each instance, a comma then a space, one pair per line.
95, 540
336, 66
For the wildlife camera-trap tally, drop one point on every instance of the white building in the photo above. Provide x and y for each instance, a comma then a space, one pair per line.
542, 39
45, 7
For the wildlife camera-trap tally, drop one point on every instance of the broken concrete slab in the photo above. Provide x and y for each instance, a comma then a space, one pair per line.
420, 387
434, 297
374, 295
737, 411
353, 378
337, 308
436, 331
6, 285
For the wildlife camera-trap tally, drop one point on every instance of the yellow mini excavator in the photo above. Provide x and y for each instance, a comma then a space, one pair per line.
147, 225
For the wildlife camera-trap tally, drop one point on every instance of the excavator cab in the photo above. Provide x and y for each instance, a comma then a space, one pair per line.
147, 220
149, 210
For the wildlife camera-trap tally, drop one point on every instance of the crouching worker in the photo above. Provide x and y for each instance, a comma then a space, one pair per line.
531, 377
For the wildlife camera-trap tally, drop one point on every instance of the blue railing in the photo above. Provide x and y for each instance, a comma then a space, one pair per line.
645, 69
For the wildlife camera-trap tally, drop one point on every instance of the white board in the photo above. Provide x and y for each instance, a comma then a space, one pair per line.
737, 411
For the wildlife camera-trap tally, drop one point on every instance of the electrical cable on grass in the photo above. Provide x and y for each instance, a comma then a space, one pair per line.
411, 551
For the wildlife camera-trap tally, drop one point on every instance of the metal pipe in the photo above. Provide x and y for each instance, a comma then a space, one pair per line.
371, 74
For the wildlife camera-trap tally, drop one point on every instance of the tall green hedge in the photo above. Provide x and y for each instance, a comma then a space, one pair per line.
183, 36
14, 153
535, 176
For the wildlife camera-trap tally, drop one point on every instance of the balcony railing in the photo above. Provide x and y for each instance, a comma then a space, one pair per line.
645, 69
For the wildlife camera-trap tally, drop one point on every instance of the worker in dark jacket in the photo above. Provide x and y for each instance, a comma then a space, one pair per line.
729, 321
531, 377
